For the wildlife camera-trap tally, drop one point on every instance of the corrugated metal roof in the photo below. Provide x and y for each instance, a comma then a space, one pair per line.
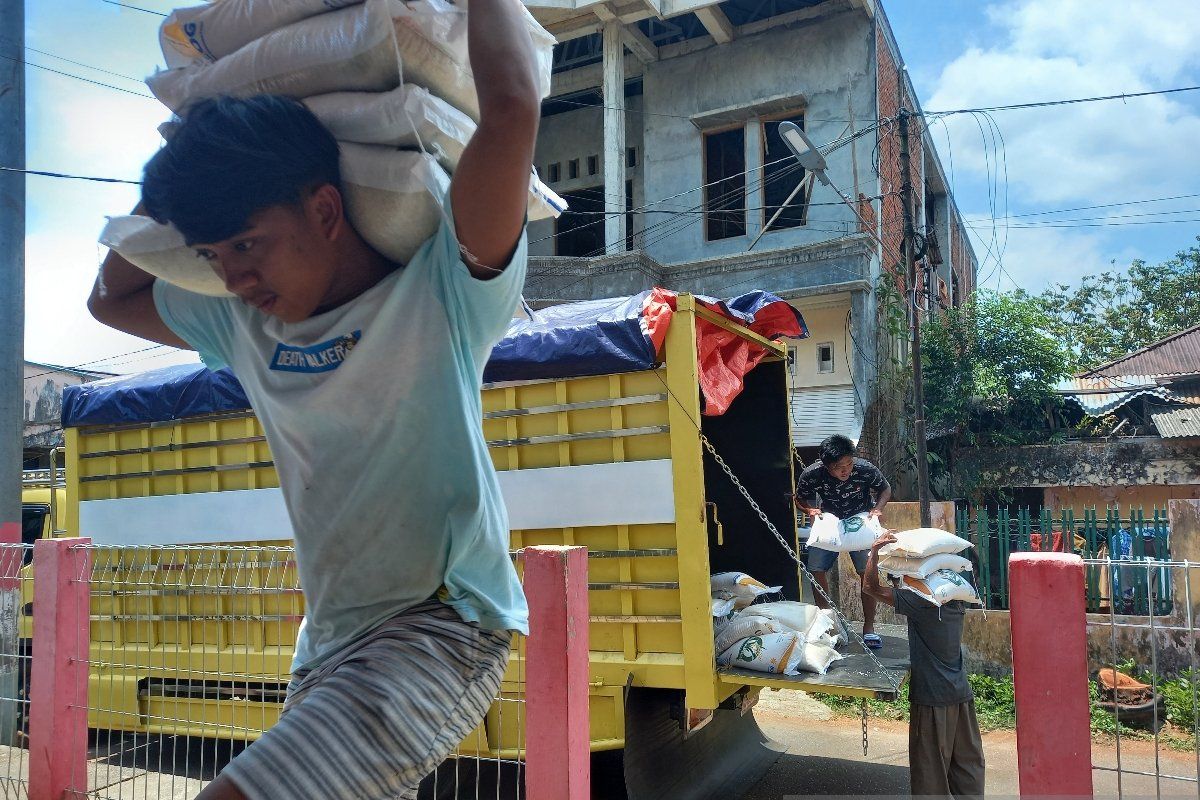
1178, 423
821, 411
1098, 396
1178, 354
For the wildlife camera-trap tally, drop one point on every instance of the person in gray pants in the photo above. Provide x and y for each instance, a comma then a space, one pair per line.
945, 751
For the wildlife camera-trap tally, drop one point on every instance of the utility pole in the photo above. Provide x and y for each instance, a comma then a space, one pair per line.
916, 282
12, 336
12, 263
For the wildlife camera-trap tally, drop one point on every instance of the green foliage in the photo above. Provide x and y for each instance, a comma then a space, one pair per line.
995, 703
990, 367
1111, 314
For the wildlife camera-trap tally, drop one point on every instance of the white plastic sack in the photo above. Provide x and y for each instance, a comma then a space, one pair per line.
741, 587
742, 626
923, 542
408, 117
353, 49
210, 31
779, 653
790, 614
370, 47
941, 587
393, 199
722, 607
844, 536
921, 567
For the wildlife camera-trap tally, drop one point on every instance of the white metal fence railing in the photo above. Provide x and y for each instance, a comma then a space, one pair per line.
1145, 688
159, 665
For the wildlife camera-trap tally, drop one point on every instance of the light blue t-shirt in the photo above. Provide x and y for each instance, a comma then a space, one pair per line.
373, 414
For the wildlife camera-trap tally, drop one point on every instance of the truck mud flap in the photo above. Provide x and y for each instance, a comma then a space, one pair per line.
721, 760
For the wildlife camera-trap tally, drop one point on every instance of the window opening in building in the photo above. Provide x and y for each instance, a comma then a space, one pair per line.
631, 158
573, 169
781, 175
593, 165
825, 357
725, 184
579, 232
554, 172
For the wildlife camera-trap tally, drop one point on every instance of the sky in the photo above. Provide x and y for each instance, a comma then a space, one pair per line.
1015, 175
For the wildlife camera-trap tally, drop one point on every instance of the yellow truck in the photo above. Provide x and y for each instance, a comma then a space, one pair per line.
615, 461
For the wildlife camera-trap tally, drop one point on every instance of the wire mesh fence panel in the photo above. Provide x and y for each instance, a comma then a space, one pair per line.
1145, 690
188, 652
15, 628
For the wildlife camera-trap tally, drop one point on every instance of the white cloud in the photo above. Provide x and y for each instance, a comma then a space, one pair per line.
1066, 49
1034, 258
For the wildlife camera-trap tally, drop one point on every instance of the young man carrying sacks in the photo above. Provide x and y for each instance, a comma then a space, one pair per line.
402, 546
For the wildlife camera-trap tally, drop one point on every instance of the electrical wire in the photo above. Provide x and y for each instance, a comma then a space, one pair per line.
1067, 102
78, 77
80, 366
135, 8
45, 174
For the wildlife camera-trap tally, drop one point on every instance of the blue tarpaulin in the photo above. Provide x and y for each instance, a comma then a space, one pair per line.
594, 337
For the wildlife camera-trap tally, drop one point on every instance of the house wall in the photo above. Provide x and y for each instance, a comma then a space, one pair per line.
823, 65
1129, 462
1081, 498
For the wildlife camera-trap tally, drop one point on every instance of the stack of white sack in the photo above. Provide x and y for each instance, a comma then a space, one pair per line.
926, 561
784, 638
844, 535
390, 79
733, 591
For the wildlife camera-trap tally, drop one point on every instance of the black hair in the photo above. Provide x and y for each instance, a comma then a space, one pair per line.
231, 158
835, 448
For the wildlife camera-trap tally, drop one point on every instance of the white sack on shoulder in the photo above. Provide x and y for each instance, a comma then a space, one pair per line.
208, 32
921, 567
941, 587
393, 199
161, 251
353, 49
372, 47
844, 536
923, 542
407, 116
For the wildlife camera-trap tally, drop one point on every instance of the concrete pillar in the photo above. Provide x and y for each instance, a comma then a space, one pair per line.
755, 197
1050, 674
614, 138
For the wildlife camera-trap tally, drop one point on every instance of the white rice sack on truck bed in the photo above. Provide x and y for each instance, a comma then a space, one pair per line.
208, 32
739, 586
922, 543
742, 626
844, 535
371, 47
779, 653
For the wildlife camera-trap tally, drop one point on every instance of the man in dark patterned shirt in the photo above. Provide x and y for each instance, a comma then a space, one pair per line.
842, 485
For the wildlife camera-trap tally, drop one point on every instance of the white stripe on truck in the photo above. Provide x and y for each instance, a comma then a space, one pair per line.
628, 493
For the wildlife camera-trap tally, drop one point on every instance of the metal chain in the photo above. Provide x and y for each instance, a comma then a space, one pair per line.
845, 623
866, 743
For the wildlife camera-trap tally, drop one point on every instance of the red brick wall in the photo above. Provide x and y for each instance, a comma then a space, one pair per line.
889, 100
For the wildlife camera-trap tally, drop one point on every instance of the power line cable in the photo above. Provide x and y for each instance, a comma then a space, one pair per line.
78, 77
45, 174
135, 8
80, 367
1066, 102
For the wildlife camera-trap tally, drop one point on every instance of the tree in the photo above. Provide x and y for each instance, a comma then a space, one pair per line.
1111, 314
990, 368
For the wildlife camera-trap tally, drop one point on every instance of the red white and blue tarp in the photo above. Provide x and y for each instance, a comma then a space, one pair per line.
593, 337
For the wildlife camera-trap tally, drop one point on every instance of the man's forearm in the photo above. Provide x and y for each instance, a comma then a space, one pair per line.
118, 278
884, 497
501, 58
871, 584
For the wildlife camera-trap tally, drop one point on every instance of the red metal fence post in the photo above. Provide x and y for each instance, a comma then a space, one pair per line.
58, 691
557, 740
1048, 616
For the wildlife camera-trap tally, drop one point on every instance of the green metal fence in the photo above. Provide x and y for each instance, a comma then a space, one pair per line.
1134, 542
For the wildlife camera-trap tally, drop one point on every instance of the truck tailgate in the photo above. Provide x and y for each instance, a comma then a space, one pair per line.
853, 676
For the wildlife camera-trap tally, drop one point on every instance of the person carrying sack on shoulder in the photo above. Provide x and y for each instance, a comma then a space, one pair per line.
945, 751
402, 547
